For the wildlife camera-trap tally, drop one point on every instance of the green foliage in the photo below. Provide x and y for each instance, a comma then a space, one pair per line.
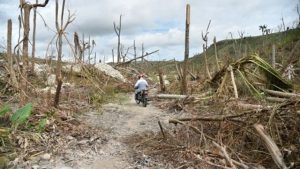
273, 77
21, 115
249, 85
4, 110
42, 124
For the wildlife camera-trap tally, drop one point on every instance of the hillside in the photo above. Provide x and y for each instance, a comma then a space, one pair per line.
230, 50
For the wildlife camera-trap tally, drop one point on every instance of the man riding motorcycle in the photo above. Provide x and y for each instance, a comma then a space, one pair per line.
140, 85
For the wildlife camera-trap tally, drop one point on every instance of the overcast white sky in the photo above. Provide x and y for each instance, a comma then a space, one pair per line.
159, 24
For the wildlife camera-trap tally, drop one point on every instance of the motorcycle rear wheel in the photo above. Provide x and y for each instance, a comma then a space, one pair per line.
145, 102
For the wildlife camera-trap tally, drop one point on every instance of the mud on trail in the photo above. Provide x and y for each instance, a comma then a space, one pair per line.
118, 122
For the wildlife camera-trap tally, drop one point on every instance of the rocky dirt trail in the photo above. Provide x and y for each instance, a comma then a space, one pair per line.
117, 121
121, 121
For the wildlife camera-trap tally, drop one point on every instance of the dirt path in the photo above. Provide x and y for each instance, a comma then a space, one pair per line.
119, 121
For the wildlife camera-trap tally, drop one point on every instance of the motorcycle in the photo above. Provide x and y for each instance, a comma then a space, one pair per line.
142, 96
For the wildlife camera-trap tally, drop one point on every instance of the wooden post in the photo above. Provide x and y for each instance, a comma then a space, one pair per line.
186, 51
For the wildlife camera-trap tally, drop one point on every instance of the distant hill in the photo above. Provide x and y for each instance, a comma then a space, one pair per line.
287, 50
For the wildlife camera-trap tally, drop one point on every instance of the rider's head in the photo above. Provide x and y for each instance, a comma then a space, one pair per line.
141, 75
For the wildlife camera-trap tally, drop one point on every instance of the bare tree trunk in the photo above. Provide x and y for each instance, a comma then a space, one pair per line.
186, 52
13, 79
26, 7
59, 54
26, 26
83, 49
206, 62
113, 55
134, 49
143, 52
33, 37
161, 80
25, 11
273, 60
216, 53
60, 28
205, 39
118, 32
89, 45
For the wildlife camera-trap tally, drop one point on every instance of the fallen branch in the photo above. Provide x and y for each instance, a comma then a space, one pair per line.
281, 94
276, 99
147, 54
233, 82
247, 106
171, 96
271, 146
212, 118
225, 154
161, 129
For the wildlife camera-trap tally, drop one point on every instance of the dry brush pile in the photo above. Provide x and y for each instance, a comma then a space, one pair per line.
235, 125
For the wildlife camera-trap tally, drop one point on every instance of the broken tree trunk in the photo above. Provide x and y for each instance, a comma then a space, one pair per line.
26, 8
186, 51
271, 146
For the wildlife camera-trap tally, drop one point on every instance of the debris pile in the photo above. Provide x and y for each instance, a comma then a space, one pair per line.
234, 126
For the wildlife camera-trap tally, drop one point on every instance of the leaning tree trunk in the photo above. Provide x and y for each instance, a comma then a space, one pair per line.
186, 52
